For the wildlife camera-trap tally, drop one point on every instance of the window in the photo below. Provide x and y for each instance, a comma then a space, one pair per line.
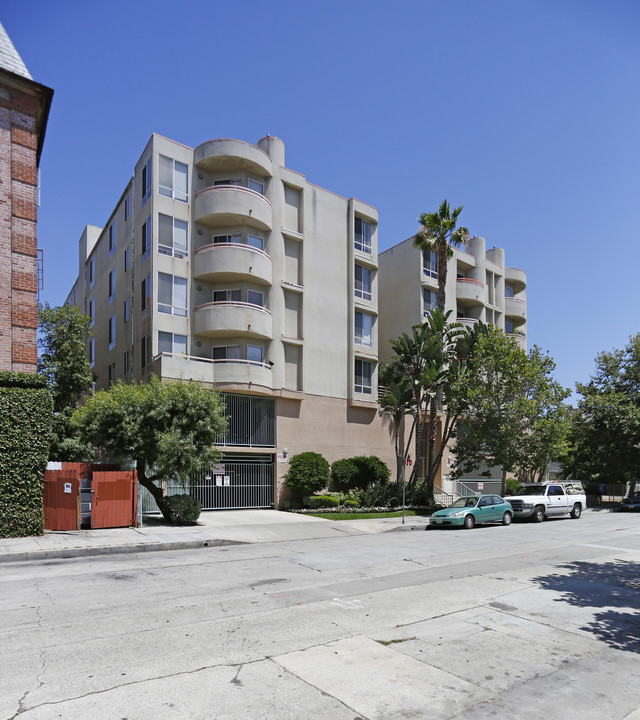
92, 271
92, 312
226, 181
508, 290
256, 186
112, 238
92, 352
430, 263
146, 238
429, 300
125, 363
364, 230
112, 332
255, 242
146, 182
172, 343
112, 285
75, 295
254, 353
363, 375
173, 179
172, 236
145, 348
126, 259
112, 373
172, 295
227, 296
364, 277
364, 329
125, 310
233, 239
508, 326
146, 292
254, 297
126, 208
226, 352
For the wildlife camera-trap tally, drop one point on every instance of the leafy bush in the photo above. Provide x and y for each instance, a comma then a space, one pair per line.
512, 486
358, 472
351, 503
25, 426
378, 494
321, 501
184, 509
308, 474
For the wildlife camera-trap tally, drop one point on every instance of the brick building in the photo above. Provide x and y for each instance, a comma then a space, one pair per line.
24, 109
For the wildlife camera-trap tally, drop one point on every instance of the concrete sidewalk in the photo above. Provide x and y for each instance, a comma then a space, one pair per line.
214, 528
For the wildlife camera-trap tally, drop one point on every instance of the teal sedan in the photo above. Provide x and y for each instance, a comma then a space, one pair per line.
469, 511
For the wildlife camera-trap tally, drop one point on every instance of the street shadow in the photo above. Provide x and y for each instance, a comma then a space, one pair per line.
614, 587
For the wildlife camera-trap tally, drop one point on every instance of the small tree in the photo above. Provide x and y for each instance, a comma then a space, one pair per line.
64, 365
605, 431
514, 411
168, 430
308, 473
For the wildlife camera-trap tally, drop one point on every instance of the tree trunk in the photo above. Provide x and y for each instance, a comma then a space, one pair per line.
442, 274
503, 490
155, 491
432, 456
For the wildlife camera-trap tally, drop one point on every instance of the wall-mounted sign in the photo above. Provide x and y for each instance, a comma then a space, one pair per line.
67, 488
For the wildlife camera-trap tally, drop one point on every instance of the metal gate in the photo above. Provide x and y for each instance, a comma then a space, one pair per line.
236, 482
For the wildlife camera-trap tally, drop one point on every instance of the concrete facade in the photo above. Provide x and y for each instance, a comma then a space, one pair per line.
479, 287
221, 264
24, 109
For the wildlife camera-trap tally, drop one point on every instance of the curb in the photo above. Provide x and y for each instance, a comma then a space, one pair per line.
66, 553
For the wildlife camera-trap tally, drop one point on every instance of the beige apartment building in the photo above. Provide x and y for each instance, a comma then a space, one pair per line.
222, 265
479, 287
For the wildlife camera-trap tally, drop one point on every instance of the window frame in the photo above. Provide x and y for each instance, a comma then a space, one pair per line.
172, 308
362, 388
170, 250
172, 192
360, 339
362, 293
361, 242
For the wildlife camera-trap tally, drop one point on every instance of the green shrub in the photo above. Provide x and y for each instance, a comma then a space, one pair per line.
378, 494
351, 503
358, 472
184, 509
25, 427
308, 474
512, 485
321, 501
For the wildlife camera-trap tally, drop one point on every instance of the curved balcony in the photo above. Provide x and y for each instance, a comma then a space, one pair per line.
515, 309
215, 319
516, 278
520, 338
469, 292
232, 155
233, 262
186, 367
242, 371
228, 205
466, 322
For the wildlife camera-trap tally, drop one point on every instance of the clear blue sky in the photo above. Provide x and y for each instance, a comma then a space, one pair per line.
525, 112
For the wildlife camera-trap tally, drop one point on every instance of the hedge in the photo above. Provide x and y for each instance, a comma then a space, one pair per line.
25, 426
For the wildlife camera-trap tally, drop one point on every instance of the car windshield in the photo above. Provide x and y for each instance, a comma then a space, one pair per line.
465, 502
530, 490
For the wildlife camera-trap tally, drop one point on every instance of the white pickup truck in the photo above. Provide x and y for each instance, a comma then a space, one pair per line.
540, 500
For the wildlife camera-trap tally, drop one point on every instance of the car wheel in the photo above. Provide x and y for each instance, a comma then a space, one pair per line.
538, 514
577, 511
469, 522
506, 518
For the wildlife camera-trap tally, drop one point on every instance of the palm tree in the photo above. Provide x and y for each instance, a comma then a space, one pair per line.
397, 400
438, 232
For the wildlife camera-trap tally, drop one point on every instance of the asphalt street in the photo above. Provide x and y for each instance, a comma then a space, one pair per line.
526, 621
